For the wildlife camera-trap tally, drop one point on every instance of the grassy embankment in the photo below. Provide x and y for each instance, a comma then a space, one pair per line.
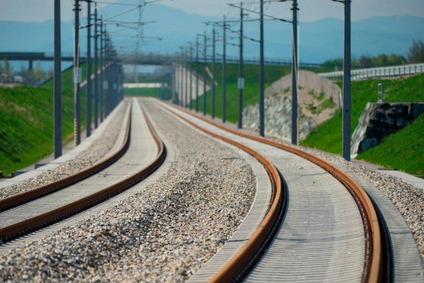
26, 122
403, 150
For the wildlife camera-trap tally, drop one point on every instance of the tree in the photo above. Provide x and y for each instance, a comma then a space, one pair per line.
334, 63
6, 71
38, 71
395, 59
366, 62
416, 52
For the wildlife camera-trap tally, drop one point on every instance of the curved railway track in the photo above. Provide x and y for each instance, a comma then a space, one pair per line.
140, 155
338, 240
320, 225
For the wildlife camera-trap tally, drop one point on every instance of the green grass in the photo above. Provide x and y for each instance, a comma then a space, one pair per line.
26, 122
327, 136
328, 103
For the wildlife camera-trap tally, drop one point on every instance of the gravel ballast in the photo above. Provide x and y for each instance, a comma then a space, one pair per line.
163, 233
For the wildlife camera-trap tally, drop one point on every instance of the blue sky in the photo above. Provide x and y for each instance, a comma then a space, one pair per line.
310, 10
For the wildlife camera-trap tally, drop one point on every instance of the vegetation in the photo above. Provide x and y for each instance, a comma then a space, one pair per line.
364, 61
415, 55
26, 122
416, 52
6, 71
35, 76
327, 136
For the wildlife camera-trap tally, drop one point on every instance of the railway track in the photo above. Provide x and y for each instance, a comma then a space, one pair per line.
312, 231
141, 153
329, 229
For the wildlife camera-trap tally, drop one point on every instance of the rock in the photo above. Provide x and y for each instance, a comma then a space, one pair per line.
380, 120
313, 90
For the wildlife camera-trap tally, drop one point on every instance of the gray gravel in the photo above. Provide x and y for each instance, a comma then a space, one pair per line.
94, 153
164, 233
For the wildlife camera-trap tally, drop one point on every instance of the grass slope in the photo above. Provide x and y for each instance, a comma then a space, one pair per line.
26, 122
327, 136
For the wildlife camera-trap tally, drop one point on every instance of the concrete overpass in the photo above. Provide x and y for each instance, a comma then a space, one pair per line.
35, 56
169, 59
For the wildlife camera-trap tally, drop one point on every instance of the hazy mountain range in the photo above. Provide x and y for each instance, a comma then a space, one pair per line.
318, 41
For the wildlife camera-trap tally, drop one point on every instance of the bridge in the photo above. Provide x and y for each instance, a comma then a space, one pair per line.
151, 58
36, 56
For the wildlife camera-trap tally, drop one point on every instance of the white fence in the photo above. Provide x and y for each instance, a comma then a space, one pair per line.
392, 71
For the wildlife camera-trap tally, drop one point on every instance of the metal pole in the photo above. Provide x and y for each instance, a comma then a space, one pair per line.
346, 83
77, 95
213, 71
96, 69
261, 74
186, 77
224, 74
204, 74
105, 74
190, 77
108, 76
241, 79
88, 62
294, 75
57, 97
173, 85
102, 70
197, 74
182, 78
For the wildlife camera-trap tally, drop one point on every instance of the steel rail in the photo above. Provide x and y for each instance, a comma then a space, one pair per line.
24, 197
368, 212
16, 230
240, 264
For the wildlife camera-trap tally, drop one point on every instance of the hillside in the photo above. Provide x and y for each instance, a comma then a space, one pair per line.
26, 122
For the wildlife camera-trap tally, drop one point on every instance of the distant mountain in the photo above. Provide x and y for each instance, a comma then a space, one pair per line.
318, 41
